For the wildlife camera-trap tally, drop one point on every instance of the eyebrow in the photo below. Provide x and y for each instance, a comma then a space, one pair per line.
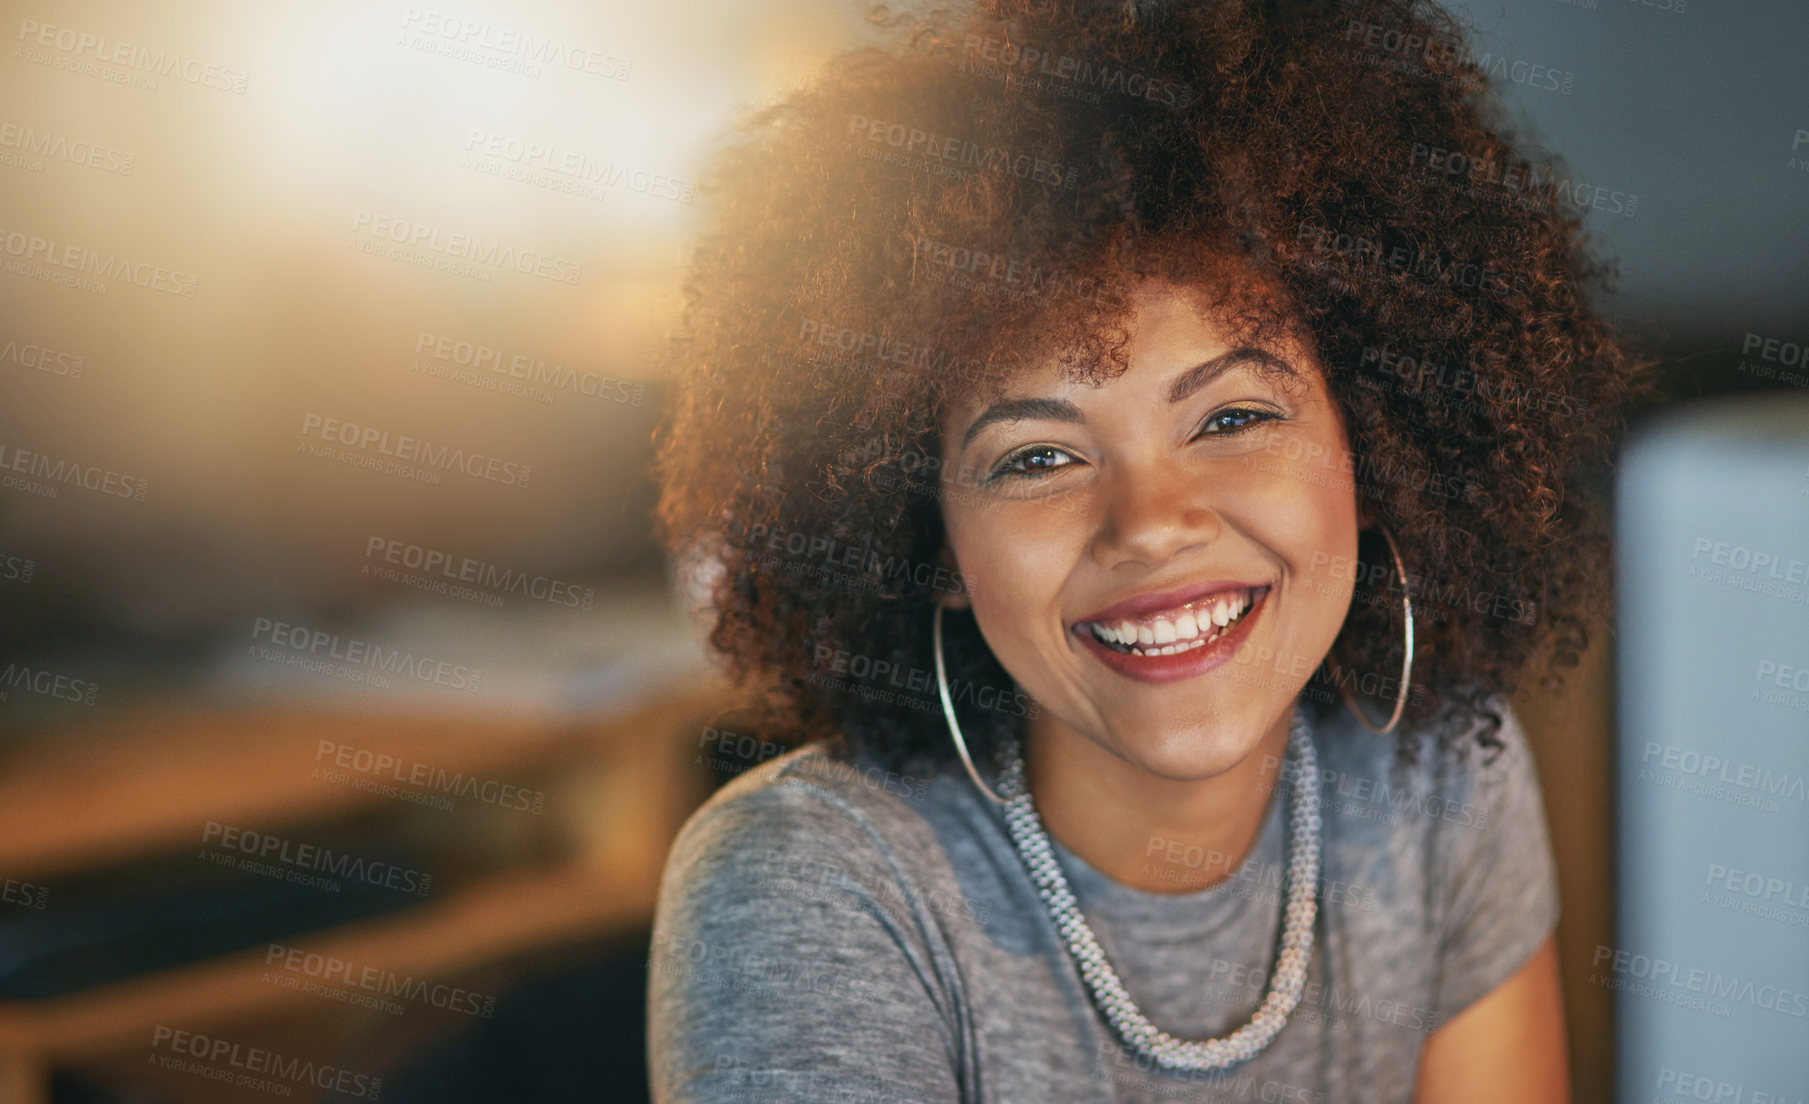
1061, 410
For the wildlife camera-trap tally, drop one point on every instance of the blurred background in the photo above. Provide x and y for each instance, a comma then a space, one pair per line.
346, 706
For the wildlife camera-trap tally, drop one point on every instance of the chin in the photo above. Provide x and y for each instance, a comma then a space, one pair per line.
1192, 753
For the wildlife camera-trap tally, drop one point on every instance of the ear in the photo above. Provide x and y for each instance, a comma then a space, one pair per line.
949, 599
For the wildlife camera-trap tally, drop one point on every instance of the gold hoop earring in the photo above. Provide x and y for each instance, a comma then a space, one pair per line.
948, 708
1400, 701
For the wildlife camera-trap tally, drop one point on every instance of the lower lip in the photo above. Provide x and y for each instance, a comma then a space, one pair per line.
1169, 668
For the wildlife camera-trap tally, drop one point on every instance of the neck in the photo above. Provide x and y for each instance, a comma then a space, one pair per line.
1142, 830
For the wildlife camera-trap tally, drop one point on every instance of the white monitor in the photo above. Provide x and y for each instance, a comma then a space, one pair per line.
1710, 967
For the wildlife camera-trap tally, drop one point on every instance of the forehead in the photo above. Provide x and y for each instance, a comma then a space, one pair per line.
1163, 331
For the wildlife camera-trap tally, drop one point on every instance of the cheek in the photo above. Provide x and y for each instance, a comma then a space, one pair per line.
1311, 517
1019, 555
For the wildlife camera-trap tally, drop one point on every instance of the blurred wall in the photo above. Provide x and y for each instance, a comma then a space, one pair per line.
294, 296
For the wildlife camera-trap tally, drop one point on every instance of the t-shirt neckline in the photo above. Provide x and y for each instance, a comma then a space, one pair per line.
1154, 917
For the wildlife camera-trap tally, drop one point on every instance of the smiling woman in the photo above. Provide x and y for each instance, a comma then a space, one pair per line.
1102, 309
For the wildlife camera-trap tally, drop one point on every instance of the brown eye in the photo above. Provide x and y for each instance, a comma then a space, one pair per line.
1244, 417
1031, 461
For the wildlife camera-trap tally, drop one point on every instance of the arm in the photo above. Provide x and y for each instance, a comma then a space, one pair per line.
781, 968
1501, 1029
1508, 1046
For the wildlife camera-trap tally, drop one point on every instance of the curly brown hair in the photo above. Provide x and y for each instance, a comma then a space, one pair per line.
934, 213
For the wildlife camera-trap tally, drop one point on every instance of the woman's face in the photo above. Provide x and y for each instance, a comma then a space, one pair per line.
1206, 479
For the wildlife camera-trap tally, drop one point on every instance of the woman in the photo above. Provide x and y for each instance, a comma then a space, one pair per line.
1136, 449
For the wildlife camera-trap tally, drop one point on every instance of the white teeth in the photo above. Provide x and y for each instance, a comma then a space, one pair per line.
1191, 629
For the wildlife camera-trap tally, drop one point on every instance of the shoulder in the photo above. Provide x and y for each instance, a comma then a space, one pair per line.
806, 804
1488, 782
809, 848
1447, 779
1490, 864
790, 942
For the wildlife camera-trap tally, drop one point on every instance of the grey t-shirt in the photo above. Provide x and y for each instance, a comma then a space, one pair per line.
831, 931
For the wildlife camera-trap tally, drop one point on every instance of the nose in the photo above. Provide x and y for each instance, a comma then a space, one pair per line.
1153, 515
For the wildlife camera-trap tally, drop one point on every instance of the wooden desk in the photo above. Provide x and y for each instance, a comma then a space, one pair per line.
144, 783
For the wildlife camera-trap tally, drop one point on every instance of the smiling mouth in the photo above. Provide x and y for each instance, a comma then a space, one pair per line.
1180, 629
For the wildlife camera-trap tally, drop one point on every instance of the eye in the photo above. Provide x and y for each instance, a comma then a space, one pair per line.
1030, 462
1243, 418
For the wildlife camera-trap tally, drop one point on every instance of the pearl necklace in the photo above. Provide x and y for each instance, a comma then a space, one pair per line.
1109, 994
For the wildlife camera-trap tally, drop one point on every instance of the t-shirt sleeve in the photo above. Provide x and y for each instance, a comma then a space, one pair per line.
783, 969
1500, 881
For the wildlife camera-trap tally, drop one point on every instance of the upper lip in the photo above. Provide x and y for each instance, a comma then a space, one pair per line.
1157, 600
